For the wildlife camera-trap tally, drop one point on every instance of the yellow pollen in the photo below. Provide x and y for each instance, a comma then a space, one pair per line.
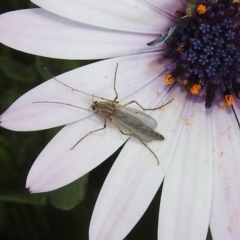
222, 106
169, 79
229, 99
180, 48
185, 82
201, 9
195, 89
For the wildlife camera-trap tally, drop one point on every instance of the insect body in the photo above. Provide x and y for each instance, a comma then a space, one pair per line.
129, 121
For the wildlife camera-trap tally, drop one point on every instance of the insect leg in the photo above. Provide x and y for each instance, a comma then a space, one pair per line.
114, 86
150, 150
146, 108
99, 129
128, 134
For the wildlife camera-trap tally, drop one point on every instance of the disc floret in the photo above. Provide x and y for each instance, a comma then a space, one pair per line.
205, 49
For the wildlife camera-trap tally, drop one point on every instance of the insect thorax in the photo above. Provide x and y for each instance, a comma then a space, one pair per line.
104, 108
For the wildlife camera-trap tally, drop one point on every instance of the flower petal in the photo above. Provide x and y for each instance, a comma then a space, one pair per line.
135, 177
39, 32
167, 5
126, 193
54, 166
225, 215
125, 15
58, 165
133, 73
187, 189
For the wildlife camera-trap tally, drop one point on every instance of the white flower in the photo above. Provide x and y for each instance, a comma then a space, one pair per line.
199, 158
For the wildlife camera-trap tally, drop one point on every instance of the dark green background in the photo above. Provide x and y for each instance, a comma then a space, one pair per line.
64, 213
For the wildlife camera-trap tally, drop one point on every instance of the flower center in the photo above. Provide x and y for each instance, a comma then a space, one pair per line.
205, 49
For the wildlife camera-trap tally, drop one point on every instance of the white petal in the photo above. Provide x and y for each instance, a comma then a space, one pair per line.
167, 5
225, 216
133, 73
135, 177
126, 193
125, 15
58, 165
39, 32
187, 189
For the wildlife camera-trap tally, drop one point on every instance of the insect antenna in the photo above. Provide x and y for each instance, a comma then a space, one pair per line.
74, 89
114, 86
66, 104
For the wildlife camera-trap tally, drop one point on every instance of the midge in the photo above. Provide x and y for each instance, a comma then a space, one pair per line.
129, 121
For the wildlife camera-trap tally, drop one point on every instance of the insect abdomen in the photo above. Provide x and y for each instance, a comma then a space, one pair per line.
157, 136
137, 127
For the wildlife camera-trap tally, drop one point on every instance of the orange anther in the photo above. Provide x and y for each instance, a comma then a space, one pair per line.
169, 79
229, 99
180, 48
196, 89
201, 9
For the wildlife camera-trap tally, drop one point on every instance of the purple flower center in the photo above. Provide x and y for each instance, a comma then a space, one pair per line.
205, 49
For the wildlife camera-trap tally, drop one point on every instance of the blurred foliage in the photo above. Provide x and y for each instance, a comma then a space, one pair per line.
25, 216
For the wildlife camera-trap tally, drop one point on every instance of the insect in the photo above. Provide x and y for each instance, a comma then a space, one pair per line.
129, 121
180, 24
164, 37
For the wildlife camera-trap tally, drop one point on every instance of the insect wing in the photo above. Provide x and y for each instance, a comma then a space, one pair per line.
147, 119
135, 123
